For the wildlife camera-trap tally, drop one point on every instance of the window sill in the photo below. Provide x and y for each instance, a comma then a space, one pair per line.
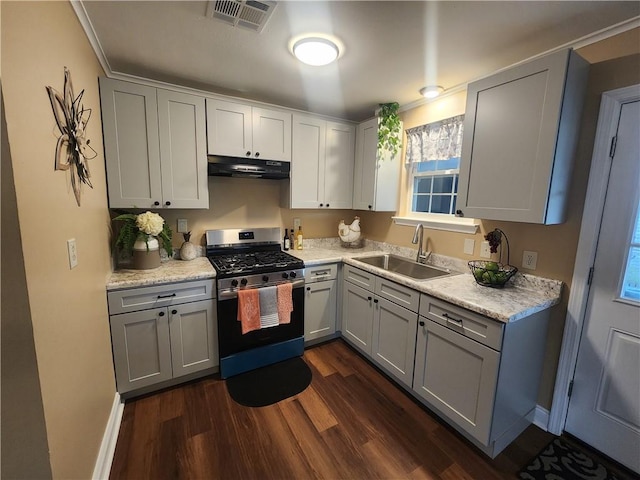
453, 224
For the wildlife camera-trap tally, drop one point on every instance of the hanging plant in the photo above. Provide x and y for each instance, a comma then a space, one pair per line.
389, 131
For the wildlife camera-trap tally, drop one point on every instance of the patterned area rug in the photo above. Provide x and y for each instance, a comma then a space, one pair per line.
562, 461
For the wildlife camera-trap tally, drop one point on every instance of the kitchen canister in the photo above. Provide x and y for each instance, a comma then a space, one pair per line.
146, 254
187, 250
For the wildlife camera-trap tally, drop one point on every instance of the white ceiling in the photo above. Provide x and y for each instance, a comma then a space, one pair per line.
391, 48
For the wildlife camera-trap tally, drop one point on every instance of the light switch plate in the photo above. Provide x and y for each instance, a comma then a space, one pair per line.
469, 245
485, 250
183, 226
529, 260
296, 224
73, 252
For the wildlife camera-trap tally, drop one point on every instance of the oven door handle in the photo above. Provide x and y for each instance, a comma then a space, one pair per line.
231, 293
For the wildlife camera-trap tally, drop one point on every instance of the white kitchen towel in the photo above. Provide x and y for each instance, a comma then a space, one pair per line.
268, 307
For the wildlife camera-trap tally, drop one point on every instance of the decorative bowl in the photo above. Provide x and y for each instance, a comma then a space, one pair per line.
491, 274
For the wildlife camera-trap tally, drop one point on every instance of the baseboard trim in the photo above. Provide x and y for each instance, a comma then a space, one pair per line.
541, 418
108, 447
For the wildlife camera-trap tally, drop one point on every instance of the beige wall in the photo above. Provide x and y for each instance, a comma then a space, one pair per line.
25, 453
68, 307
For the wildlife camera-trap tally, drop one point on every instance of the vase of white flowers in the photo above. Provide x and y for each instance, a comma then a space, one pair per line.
140, 237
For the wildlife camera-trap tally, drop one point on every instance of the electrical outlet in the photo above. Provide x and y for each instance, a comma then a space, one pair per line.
485, 250
183, 226
469, 245
529, 260
73, 253
296, 224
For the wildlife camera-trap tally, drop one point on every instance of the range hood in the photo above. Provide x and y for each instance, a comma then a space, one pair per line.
247, 167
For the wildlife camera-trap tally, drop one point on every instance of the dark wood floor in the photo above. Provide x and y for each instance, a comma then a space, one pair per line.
350, 423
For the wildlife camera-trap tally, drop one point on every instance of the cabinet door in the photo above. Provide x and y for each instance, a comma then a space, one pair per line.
141, 349
357, 317
194, 339
338, 165
364, 184
394, 339
131, 144
512, 148
307, 164
320, 310
229, 127
271, 134
377, 173
457, 376
183, 151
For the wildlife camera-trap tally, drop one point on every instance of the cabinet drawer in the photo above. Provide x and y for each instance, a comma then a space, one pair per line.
320, 273
398, 294
142, 298
479, 328
360, 277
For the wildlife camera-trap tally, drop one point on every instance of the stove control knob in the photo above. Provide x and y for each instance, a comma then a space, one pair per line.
234, 283
285, 275
265, 278
243, 282
293, 274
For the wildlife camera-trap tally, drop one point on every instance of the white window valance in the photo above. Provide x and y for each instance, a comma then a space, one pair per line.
435, 141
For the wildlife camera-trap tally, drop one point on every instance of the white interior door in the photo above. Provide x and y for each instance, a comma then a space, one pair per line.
604, 409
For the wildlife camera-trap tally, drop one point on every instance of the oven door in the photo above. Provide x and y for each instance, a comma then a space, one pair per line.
230, 337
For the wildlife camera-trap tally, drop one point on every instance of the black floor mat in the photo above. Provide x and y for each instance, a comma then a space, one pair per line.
270, 384
560, 460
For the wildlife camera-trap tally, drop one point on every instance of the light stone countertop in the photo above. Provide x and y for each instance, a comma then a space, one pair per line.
524, 295
169, 271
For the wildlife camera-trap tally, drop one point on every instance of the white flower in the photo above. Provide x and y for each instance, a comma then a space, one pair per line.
150, 223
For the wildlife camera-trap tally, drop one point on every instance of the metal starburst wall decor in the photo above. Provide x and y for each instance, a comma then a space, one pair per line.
72, 149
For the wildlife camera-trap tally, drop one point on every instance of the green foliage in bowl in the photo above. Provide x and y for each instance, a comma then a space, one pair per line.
491, 274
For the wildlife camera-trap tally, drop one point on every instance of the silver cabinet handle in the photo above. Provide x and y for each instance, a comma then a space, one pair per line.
455, 321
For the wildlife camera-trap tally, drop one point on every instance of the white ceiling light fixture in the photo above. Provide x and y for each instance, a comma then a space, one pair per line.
431, 91
315, 51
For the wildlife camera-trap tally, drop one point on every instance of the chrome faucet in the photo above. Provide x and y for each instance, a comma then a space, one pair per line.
418, 238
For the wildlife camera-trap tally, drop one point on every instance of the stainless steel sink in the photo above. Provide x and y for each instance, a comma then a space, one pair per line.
403, 266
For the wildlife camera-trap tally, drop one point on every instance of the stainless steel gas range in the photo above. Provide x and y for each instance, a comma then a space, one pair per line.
247, 259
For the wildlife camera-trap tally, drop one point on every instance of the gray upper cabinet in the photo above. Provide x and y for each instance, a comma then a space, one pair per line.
520, 133
155, 147
376, 178
322, 164
240, 130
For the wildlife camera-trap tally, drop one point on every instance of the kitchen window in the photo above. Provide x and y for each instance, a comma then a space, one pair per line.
432, 159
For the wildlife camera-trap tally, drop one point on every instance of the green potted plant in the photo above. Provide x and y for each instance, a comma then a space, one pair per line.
389, 128
140, 236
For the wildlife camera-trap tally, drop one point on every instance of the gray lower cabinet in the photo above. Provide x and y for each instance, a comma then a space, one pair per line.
394, 339
320, 302
357, 317
175, 338
480, 375
381, 321
456, 375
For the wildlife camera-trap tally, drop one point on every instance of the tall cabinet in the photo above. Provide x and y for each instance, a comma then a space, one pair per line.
376, 173
155, 146
322, 164
520, 133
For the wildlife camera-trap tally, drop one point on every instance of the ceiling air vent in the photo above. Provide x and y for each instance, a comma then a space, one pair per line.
249, 14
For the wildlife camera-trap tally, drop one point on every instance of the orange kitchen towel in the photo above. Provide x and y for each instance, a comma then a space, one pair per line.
285, 302
249, 309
